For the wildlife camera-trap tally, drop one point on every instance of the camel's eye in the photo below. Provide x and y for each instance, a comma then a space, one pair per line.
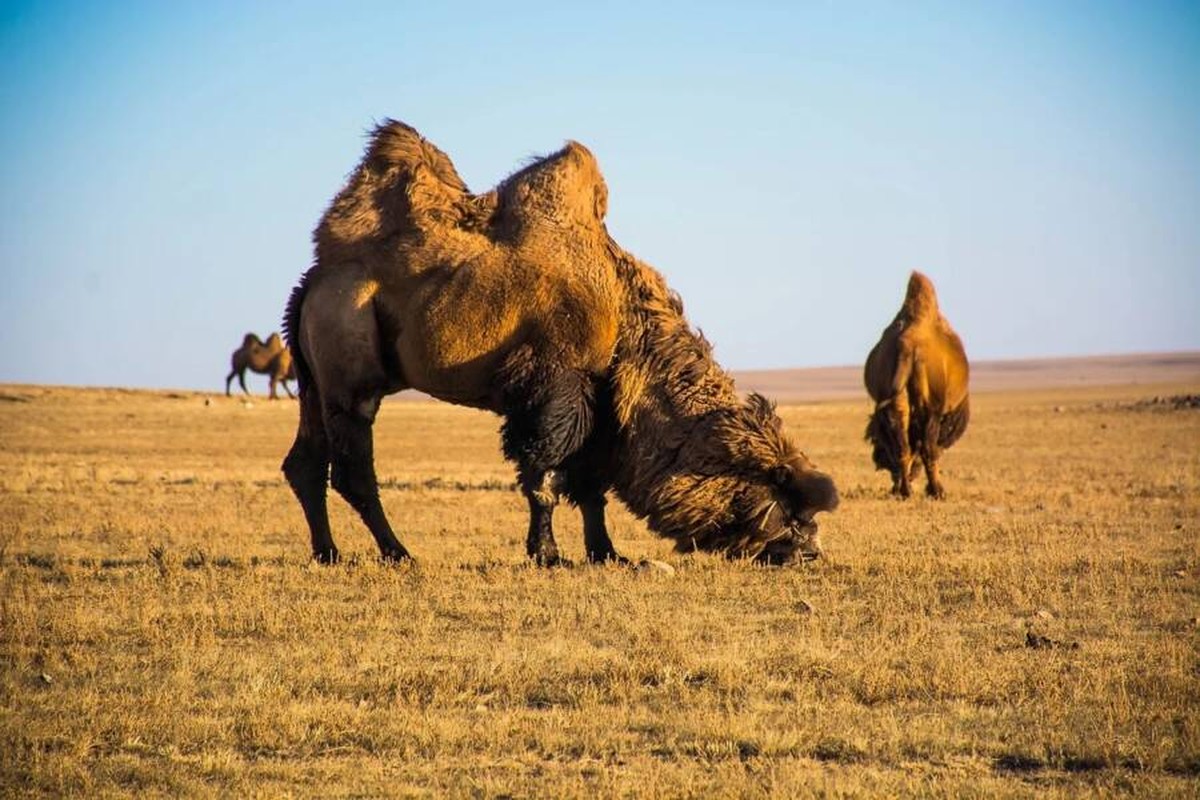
781, 476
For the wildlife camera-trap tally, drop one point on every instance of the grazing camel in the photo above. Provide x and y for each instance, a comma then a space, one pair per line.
519, 302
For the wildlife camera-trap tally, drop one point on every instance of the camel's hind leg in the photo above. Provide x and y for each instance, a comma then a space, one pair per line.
351, 445
337, 337
307, 470
229, 379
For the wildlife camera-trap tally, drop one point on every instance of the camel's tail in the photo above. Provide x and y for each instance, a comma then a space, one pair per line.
883, 440
954, 424
291, 332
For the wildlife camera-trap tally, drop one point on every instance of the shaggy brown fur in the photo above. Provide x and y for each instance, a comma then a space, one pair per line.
517, 301
703, 466
271, 358
917, 375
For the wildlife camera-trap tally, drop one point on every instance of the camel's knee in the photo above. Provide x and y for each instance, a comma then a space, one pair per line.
306, 465
352, 472
914, 470
346, 478
544, 490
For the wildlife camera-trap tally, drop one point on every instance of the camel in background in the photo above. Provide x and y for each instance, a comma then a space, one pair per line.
917, 375
271, 358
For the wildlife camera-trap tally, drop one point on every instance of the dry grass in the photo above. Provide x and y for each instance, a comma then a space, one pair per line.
162, 630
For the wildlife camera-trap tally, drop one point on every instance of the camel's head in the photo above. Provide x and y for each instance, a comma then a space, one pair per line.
773, 491
780, 510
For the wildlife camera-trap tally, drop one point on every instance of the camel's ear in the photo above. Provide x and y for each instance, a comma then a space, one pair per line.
600, 202
817, 491
809, 491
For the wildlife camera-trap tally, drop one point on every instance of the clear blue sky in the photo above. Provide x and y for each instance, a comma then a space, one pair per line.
785, 165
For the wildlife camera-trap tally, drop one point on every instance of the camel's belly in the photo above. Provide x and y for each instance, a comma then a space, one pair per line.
453, 378
456, 331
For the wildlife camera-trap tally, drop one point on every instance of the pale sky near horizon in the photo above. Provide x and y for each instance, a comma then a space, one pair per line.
785, 165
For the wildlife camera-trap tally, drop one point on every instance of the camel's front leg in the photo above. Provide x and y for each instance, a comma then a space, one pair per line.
899, 417
930, 453
586, 486
548, 415
543, 496
595, 533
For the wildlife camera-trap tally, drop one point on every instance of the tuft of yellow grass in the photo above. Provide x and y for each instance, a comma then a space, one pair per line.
162, 629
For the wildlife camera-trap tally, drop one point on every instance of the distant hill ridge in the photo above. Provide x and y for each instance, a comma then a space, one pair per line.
830, 383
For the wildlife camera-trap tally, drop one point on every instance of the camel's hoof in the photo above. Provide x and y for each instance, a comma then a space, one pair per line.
329, 556
611, 557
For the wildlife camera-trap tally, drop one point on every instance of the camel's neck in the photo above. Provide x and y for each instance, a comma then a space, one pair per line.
663, 367
665, 387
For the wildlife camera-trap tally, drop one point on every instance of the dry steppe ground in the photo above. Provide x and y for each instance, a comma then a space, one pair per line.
162, 630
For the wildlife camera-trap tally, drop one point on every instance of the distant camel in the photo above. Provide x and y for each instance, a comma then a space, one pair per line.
271, 358
917, 375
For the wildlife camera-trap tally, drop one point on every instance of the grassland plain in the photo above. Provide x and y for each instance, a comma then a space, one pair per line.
162, 631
